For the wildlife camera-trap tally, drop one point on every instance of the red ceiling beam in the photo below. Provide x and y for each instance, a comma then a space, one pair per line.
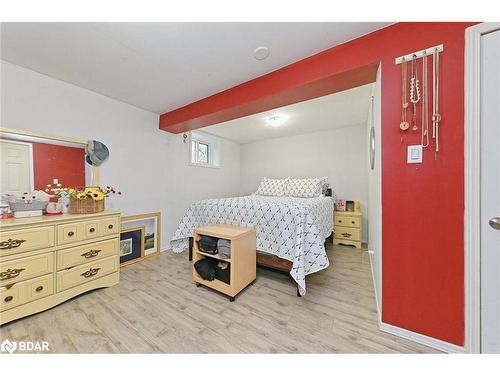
273, 90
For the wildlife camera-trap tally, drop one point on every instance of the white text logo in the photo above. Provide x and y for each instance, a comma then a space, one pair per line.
24, 346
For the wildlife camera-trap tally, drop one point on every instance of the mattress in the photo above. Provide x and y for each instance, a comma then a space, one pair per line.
290, 228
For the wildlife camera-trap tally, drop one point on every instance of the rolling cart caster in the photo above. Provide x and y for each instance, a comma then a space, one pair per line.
198, 285
231, 299
298, 292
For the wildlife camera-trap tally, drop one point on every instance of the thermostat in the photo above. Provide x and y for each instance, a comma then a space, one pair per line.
414, 154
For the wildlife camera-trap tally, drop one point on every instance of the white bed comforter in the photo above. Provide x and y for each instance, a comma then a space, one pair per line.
290, 228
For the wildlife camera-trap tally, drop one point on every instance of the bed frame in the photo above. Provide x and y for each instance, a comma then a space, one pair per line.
264, 260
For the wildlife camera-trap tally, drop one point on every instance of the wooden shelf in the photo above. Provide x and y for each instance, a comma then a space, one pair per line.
243, 257
215, 256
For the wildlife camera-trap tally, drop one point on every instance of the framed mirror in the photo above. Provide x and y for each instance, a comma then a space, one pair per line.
372, 147
30, 161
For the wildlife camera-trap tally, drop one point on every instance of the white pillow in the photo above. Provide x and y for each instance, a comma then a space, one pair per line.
304, 187
324, 184
272, 187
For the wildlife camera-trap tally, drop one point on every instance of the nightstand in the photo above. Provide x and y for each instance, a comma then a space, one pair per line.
347, 228
241, 265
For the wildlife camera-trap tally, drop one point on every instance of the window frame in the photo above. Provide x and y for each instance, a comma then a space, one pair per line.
213, 150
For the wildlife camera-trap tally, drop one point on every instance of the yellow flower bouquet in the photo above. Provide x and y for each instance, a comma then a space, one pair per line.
89, 200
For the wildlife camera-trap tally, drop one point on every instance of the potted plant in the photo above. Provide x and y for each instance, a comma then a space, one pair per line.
82, 200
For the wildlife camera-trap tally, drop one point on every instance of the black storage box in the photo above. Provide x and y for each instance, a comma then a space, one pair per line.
207, 244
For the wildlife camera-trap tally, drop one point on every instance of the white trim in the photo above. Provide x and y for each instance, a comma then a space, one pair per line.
419, 54
377, 302
472, 139
26, 135
32, 166
422, 339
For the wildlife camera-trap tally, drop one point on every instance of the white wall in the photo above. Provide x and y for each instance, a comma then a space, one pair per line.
341, 154
148, 165
375, 193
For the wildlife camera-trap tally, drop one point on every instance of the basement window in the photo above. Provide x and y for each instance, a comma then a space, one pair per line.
200, 152
204, 150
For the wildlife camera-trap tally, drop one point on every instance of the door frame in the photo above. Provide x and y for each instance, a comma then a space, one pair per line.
472, 218
30, 147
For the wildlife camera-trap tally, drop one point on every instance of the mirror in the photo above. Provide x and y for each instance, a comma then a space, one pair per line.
30, 161
372, 147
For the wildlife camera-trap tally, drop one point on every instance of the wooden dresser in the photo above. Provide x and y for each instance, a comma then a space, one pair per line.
49, 259
347, 228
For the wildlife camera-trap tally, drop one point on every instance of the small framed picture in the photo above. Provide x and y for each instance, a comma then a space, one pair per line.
340, 205
152, 227
349, 206
131, 245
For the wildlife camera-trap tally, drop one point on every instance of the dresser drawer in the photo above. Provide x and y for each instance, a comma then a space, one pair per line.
69, 233
84, 254
348, 221
12, 297
18, 241
346, 233
110, 226
26, 268
40, 287
87, 230
87, 272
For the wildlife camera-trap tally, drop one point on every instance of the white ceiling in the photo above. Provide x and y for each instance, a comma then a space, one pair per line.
346, 108
163, 66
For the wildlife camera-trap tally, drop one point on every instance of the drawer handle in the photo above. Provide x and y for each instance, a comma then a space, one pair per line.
91, 272
11, 244
92, 230
91, 254
347, 235
111, 226
71, 234
10, 274
353, 222
8, 298
39, 289
340, 221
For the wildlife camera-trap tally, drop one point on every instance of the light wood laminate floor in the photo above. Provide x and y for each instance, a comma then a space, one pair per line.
156, 308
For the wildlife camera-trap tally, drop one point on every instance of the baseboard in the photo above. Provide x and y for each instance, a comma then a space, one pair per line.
409, 335
377, 302
422, 339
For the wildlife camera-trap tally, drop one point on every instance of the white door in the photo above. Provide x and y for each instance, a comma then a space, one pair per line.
490, 193
16, 167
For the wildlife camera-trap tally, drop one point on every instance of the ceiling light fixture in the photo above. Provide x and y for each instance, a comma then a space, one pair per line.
261, 53
276, 120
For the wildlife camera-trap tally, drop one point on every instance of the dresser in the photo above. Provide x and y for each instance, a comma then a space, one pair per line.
49, 259
347, 228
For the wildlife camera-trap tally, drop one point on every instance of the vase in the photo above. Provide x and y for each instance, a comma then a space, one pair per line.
65, 204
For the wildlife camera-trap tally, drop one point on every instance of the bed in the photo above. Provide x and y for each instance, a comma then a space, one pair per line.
291, 232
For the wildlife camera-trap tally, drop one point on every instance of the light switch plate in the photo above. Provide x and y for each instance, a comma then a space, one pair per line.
414, 154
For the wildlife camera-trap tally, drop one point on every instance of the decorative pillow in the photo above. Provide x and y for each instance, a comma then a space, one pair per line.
272, 187
324, 184
303, 187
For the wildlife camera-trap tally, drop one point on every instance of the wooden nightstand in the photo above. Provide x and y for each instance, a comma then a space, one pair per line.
347, 228
242, 262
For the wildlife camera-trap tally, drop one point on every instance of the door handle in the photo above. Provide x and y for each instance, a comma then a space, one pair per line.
495, 223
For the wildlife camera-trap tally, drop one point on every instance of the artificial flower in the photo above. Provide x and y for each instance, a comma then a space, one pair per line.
97, 195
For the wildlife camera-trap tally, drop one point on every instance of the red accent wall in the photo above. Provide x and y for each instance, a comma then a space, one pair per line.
64, 163
423, 207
